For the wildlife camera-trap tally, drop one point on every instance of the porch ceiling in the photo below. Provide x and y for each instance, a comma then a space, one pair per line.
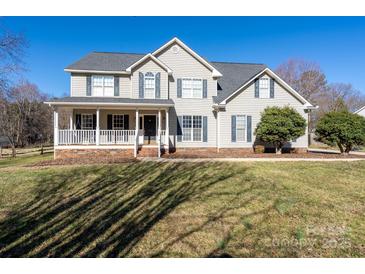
110, 101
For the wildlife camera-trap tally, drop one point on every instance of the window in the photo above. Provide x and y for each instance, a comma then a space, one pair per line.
102, 85
192, 128
241, 128
264, 88
87, 121
149, 85
118, 122
192, 88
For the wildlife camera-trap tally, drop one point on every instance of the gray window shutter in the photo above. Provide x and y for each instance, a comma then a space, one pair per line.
179, 88
116, 86
257, 90
78, 121
179, 129
126, 121
233, 128
157, 85
249, 128
141, 85
272, 82
205, 129
110, 122
88, 85
205, 88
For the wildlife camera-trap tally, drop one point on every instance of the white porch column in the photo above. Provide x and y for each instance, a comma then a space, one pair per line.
55, 126
159, 133
71, 120
218, 131
167, 132
97, 126
137, 134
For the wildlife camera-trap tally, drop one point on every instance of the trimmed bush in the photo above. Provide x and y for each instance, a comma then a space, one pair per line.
279, 126
341, 128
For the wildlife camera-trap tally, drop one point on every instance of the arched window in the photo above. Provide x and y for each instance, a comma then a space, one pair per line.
149, 85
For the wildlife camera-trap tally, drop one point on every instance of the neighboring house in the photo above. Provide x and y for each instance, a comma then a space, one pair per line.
361, 111
169, 100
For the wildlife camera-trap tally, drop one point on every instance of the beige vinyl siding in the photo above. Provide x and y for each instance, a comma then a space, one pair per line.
125, 86
78, 85
185, 65
245, 103
150, 66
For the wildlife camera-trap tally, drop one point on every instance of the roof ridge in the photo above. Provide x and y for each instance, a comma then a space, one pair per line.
119, 52
240, 63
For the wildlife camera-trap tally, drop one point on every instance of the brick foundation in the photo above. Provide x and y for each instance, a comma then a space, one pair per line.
223, 152
148, 152
88, 153
210, 152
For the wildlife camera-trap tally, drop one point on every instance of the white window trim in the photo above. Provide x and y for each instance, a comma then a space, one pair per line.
262, 91
191, 79
92, 85
92, 120
154, 85
113, 121
245, 136
192, 131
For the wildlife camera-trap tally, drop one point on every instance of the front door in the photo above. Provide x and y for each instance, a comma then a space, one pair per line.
149, 124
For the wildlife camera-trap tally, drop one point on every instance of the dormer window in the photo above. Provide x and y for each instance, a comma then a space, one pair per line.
264, 88
102, 85
149, 86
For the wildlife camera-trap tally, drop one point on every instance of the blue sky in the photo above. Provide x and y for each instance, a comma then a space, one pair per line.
336, 43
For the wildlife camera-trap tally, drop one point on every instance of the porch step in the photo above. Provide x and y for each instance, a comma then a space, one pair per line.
147, 152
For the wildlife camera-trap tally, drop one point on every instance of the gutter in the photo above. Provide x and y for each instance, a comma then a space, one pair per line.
107, 104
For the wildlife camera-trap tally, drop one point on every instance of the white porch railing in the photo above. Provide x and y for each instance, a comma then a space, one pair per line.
88, 137
76, 137
117, 137
163, 137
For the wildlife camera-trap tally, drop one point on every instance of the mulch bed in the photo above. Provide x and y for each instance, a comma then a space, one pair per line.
100, 160
83, 161
308, 155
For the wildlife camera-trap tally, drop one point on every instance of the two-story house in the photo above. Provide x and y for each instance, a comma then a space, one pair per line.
169, 100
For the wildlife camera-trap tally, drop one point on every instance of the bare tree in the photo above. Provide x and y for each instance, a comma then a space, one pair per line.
11, 53
305, 77
308, 79
342, 95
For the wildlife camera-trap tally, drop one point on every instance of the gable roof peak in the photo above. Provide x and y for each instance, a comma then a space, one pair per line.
215, 72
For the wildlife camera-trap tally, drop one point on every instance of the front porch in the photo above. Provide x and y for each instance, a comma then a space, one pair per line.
112, 129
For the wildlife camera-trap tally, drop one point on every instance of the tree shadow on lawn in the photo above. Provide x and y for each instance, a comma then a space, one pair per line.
106, 216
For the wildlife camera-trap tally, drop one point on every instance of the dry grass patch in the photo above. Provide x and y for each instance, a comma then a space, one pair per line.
151, 209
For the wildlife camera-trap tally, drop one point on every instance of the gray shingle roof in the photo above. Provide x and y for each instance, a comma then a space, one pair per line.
234, 76
106, 61
101, 100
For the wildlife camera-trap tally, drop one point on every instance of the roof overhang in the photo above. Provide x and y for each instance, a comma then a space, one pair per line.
153, 58
104, 104
268, 71
215, 72
98, 71
361, 109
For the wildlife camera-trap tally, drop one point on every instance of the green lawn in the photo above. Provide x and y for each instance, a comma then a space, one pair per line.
151, 209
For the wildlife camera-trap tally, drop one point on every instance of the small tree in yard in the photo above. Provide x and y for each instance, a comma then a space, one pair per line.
279, 126
341, 128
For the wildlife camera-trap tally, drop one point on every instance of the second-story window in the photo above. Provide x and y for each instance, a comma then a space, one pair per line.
264, 88
149, 85
192, 88
102, 85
